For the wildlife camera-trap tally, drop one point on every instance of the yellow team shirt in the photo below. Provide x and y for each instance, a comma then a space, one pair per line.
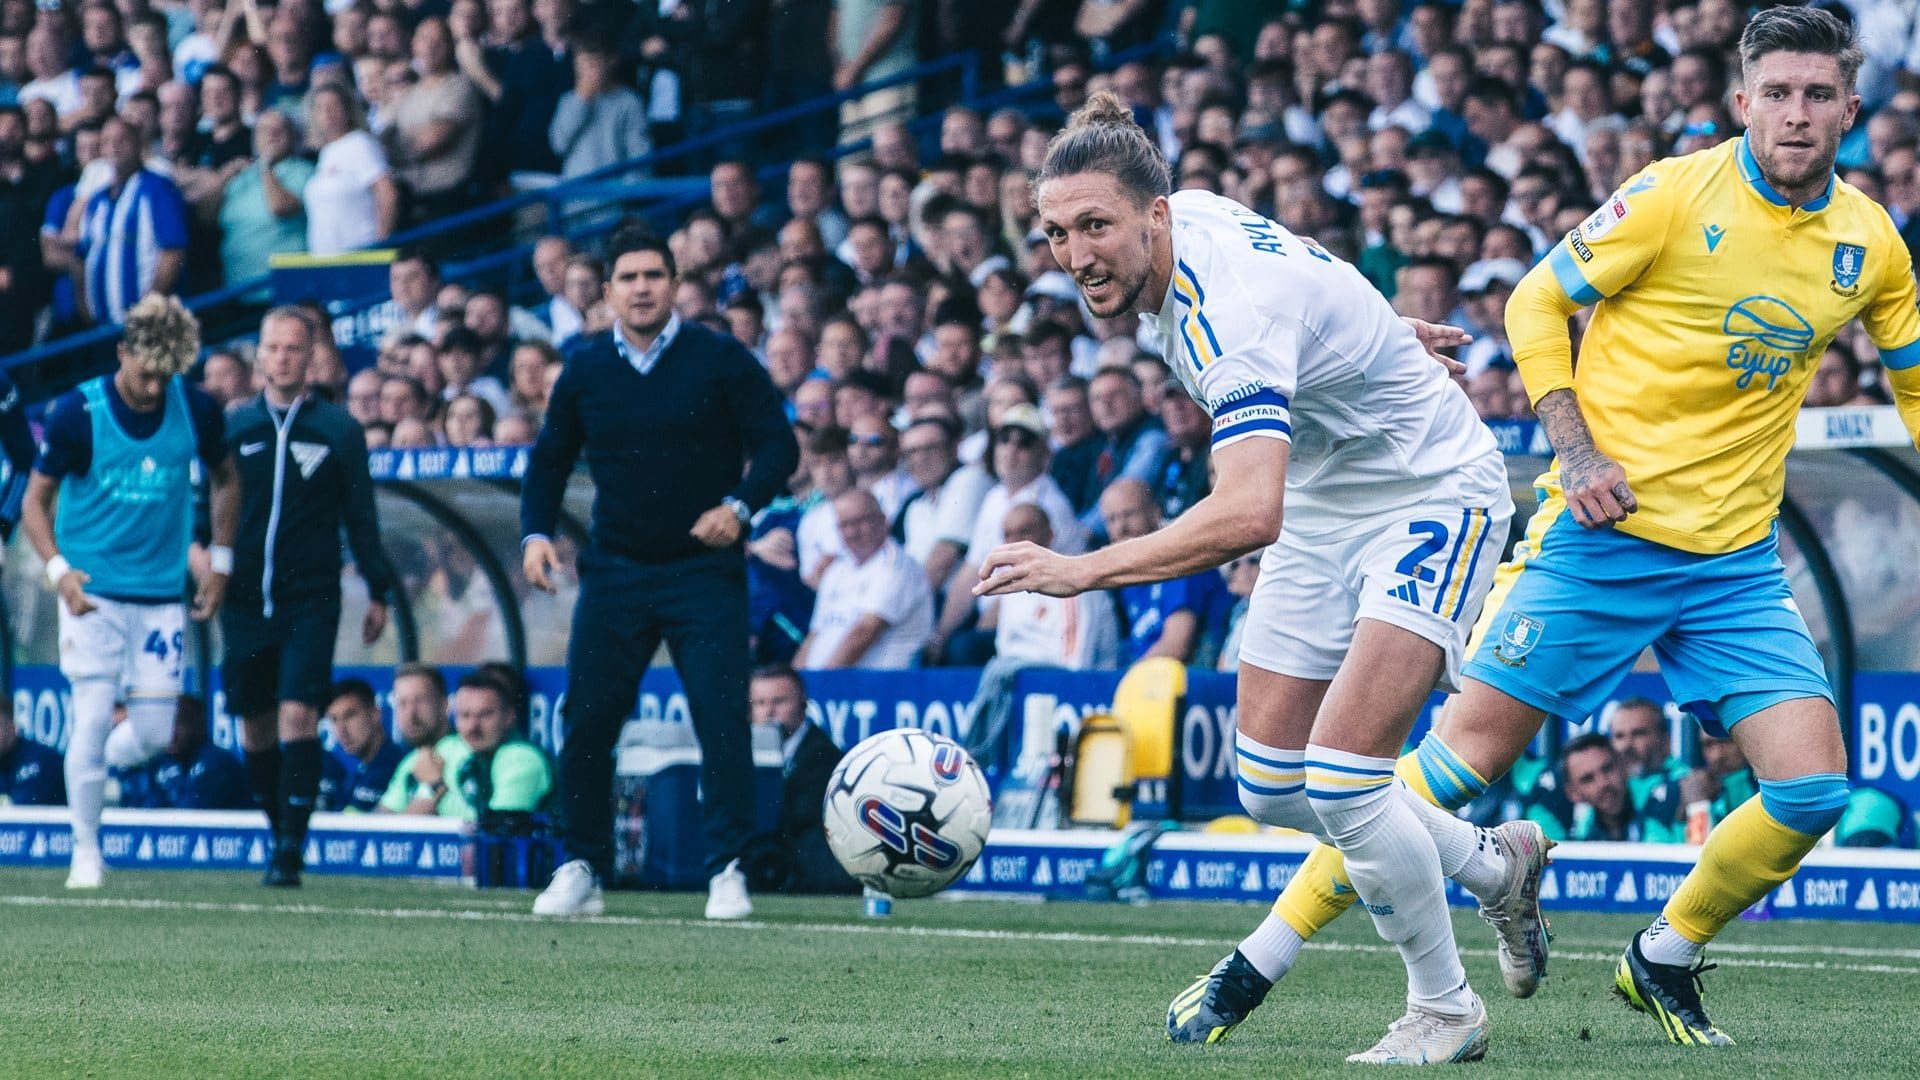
1715, 302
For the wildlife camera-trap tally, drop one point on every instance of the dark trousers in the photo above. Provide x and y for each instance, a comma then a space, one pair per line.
699, 607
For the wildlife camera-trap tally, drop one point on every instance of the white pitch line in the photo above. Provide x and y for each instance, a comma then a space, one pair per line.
1741, 947
896, 930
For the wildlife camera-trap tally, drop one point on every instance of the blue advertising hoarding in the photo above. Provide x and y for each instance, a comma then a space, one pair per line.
1842, 884
1884, 729
353, 286
362, 844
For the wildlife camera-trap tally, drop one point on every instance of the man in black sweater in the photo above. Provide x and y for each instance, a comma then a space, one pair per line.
303, 475
685, 438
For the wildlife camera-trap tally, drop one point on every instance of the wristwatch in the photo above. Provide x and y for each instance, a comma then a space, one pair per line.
739, 508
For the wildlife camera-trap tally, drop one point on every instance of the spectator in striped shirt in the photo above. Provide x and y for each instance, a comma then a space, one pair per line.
133, 233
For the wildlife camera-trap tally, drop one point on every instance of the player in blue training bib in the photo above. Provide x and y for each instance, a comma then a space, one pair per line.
118, 461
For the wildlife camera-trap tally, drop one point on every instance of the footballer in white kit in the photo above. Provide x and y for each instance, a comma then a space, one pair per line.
1344, 450
1396, 504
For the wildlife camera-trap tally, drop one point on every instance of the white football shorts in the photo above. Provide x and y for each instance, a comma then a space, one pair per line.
1426, 569
140, 646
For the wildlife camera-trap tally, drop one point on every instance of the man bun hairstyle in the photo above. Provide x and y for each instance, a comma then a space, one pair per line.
1804, 30
162, 334
1102, 137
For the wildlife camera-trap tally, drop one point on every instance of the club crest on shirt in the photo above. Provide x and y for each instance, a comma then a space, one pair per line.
1522, 633
1848, 261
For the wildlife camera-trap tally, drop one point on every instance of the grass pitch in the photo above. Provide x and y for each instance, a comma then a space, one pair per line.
183, 976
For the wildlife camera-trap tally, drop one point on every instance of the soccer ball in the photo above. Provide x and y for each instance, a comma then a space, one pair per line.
907, 812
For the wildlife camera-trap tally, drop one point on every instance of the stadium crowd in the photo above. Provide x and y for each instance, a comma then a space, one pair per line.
946, 386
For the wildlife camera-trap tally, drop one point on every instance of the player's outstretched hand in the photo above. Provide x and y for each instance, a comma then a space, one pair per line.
538, 561
73, 590
206, 599
1436, 336
1597, 491
1026, 567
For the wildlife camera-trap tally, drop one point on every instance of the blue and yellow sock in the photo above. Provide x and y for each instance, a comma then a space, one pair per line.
1320, 890
1752, 851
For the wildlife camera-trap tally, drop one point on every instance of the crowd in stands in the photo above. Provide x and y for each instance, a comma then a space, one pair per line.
939, 367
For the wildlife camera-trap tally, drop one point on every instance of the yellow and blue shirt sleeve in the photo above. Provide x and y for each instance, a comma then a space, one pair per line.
1893, 322
1605, 254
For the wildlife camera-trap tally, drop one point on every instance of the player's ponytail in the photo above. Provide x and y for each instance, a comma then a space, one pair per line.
1102, 107
1102, 137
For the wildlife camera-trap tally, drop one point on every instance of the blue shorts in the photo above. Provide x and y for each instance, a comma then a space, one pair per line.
1576, 607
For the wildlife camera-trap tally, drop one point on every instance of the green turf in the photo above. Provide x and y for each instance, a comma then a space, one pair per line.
352, 978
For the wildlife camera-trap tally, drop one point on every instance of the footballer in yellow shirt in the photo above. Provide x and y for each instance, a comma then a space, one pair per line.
1717, 279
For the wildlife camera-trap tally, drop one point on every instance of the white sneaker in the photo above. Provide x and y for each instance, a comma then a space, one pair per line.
1515, 913
727, 894
573, 891
88, 868
1424, 1037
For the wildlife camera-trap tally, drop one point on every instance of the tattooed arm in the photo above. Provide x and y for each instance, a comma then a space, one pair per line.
1595, 484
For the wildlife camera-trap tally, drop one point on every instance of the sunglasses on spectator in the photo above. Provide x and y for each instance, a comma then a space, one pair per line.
866, 440
1016, 436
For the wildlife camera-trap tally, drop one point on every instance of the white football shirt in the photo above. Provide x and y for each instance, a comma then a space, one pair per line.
889, 584
1277, 339
1078, 633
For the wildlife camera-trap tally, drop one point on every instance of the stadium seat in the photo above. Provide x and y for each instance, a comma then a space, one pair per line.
1100, 782
1145, 705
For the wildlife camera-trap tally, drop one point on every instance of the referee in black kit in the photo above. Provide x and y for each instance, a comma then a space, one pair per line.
303, 475
671, 416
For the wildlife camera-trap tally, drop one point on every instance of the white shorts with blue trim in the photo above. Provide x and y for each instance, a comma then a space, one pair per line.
1425, 569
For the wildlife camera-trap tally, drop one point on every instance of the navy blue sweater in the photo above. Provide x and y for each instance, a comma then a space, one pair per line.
662, 448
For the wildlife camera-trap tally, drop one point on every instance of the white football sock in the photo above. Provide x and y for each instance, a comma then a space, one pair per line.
147, 731
1394, 866
1273, 786
86, 766
1467, 852
1272, 947
1662, 944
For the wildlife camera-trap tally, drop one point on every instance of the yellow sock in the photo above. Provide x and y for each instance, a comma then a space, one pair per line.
1746, 855
1320, 892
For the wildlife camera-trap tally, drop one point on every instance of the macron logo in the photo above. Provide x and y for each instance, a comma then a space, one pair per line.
1714, 234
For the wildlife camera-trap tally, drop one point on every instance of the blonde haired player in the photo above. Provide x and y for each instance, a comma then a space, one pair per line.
110, 510
1395, 497
1720, 277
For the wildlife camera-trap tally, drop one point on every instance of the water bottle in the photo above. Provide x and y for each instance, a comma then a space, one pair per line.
878, 904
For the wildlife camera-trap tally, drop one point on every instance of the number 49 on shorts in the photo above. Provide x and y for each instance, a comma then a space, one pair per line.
161, 647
